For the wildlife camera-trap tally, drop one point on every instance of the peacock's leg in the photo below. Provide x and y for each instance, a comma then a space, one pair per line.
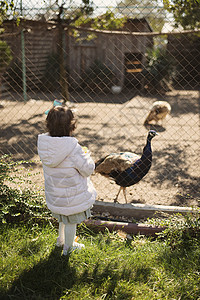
124, 192
115, 200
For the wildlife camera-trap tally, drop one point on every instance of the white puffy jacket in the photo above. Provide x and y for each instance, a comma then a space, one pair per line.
66, 168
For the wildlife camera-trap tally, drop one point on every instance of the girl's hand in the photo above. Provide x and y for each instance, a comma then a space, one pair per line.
86, 150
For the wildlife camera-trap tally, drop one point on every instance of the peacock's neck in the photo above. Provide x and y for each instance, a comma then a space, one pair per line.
147, 152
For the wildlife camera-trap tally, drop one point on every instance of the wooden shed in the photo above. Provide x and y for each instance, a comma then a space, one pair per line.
38, 38
123, 53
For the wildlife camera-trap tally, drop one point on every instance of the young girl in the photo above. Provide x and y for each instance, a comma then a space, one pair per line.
67, 167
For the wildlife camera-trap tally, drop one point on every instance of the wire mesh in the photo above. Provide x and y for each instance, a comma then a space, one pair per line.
111, 77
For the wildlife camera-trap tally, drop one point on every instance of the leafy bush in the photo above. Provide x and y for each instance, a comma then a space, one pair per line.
5, 56
14, 75
98, 77
51, 76
182, 231
159, 70
16, 204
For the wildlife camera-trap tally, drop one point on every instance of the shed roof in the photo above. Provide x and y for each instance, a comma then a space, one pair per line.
136, 22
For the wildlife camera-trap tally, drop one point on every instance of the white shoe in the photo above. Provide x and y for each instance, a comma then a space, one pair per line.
67, 251
76, 246
60, 242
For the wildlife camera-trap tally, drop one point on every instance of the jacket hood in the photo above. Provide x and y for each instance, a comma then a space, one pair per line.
53, 150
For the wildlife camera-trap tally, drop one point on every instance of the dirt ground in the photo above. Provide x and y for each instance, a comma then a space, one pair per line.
114, 123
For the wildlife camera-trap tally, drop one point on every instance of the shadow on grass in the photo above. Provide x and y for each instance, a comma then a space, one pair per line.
46, 280
56, 277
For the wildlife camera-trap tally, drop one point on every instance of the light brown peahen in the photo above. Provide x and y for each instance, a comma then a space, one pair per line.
158, 112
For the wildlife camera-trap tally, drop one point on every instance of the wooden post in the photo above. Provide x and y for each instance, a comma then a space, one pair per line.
63, 76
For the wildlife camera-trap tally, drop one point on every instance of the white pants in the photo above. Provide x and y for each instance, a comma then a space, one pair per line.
67, 233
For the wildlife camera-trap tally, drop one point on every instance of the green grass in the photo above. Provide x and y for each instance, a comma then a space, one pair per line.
110, 267
32, 267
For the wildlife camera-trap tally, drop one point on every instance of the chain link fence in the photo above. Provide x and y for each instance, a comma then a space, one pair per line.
111, 75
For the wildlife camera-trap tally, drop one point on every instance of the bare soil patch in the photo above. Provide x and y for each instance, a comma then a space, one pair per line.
114, 123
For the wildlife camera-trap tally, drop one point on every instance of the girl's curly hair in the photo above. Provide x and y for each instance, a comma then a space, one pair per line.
60, 121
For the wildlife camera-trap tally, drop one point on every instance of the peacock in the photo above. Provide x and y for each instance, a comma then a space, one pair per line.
126, 168
159, 111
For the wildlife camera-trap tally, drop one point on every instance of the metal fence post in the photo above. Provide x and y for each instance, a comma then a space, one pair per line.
23, 65
23, 57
